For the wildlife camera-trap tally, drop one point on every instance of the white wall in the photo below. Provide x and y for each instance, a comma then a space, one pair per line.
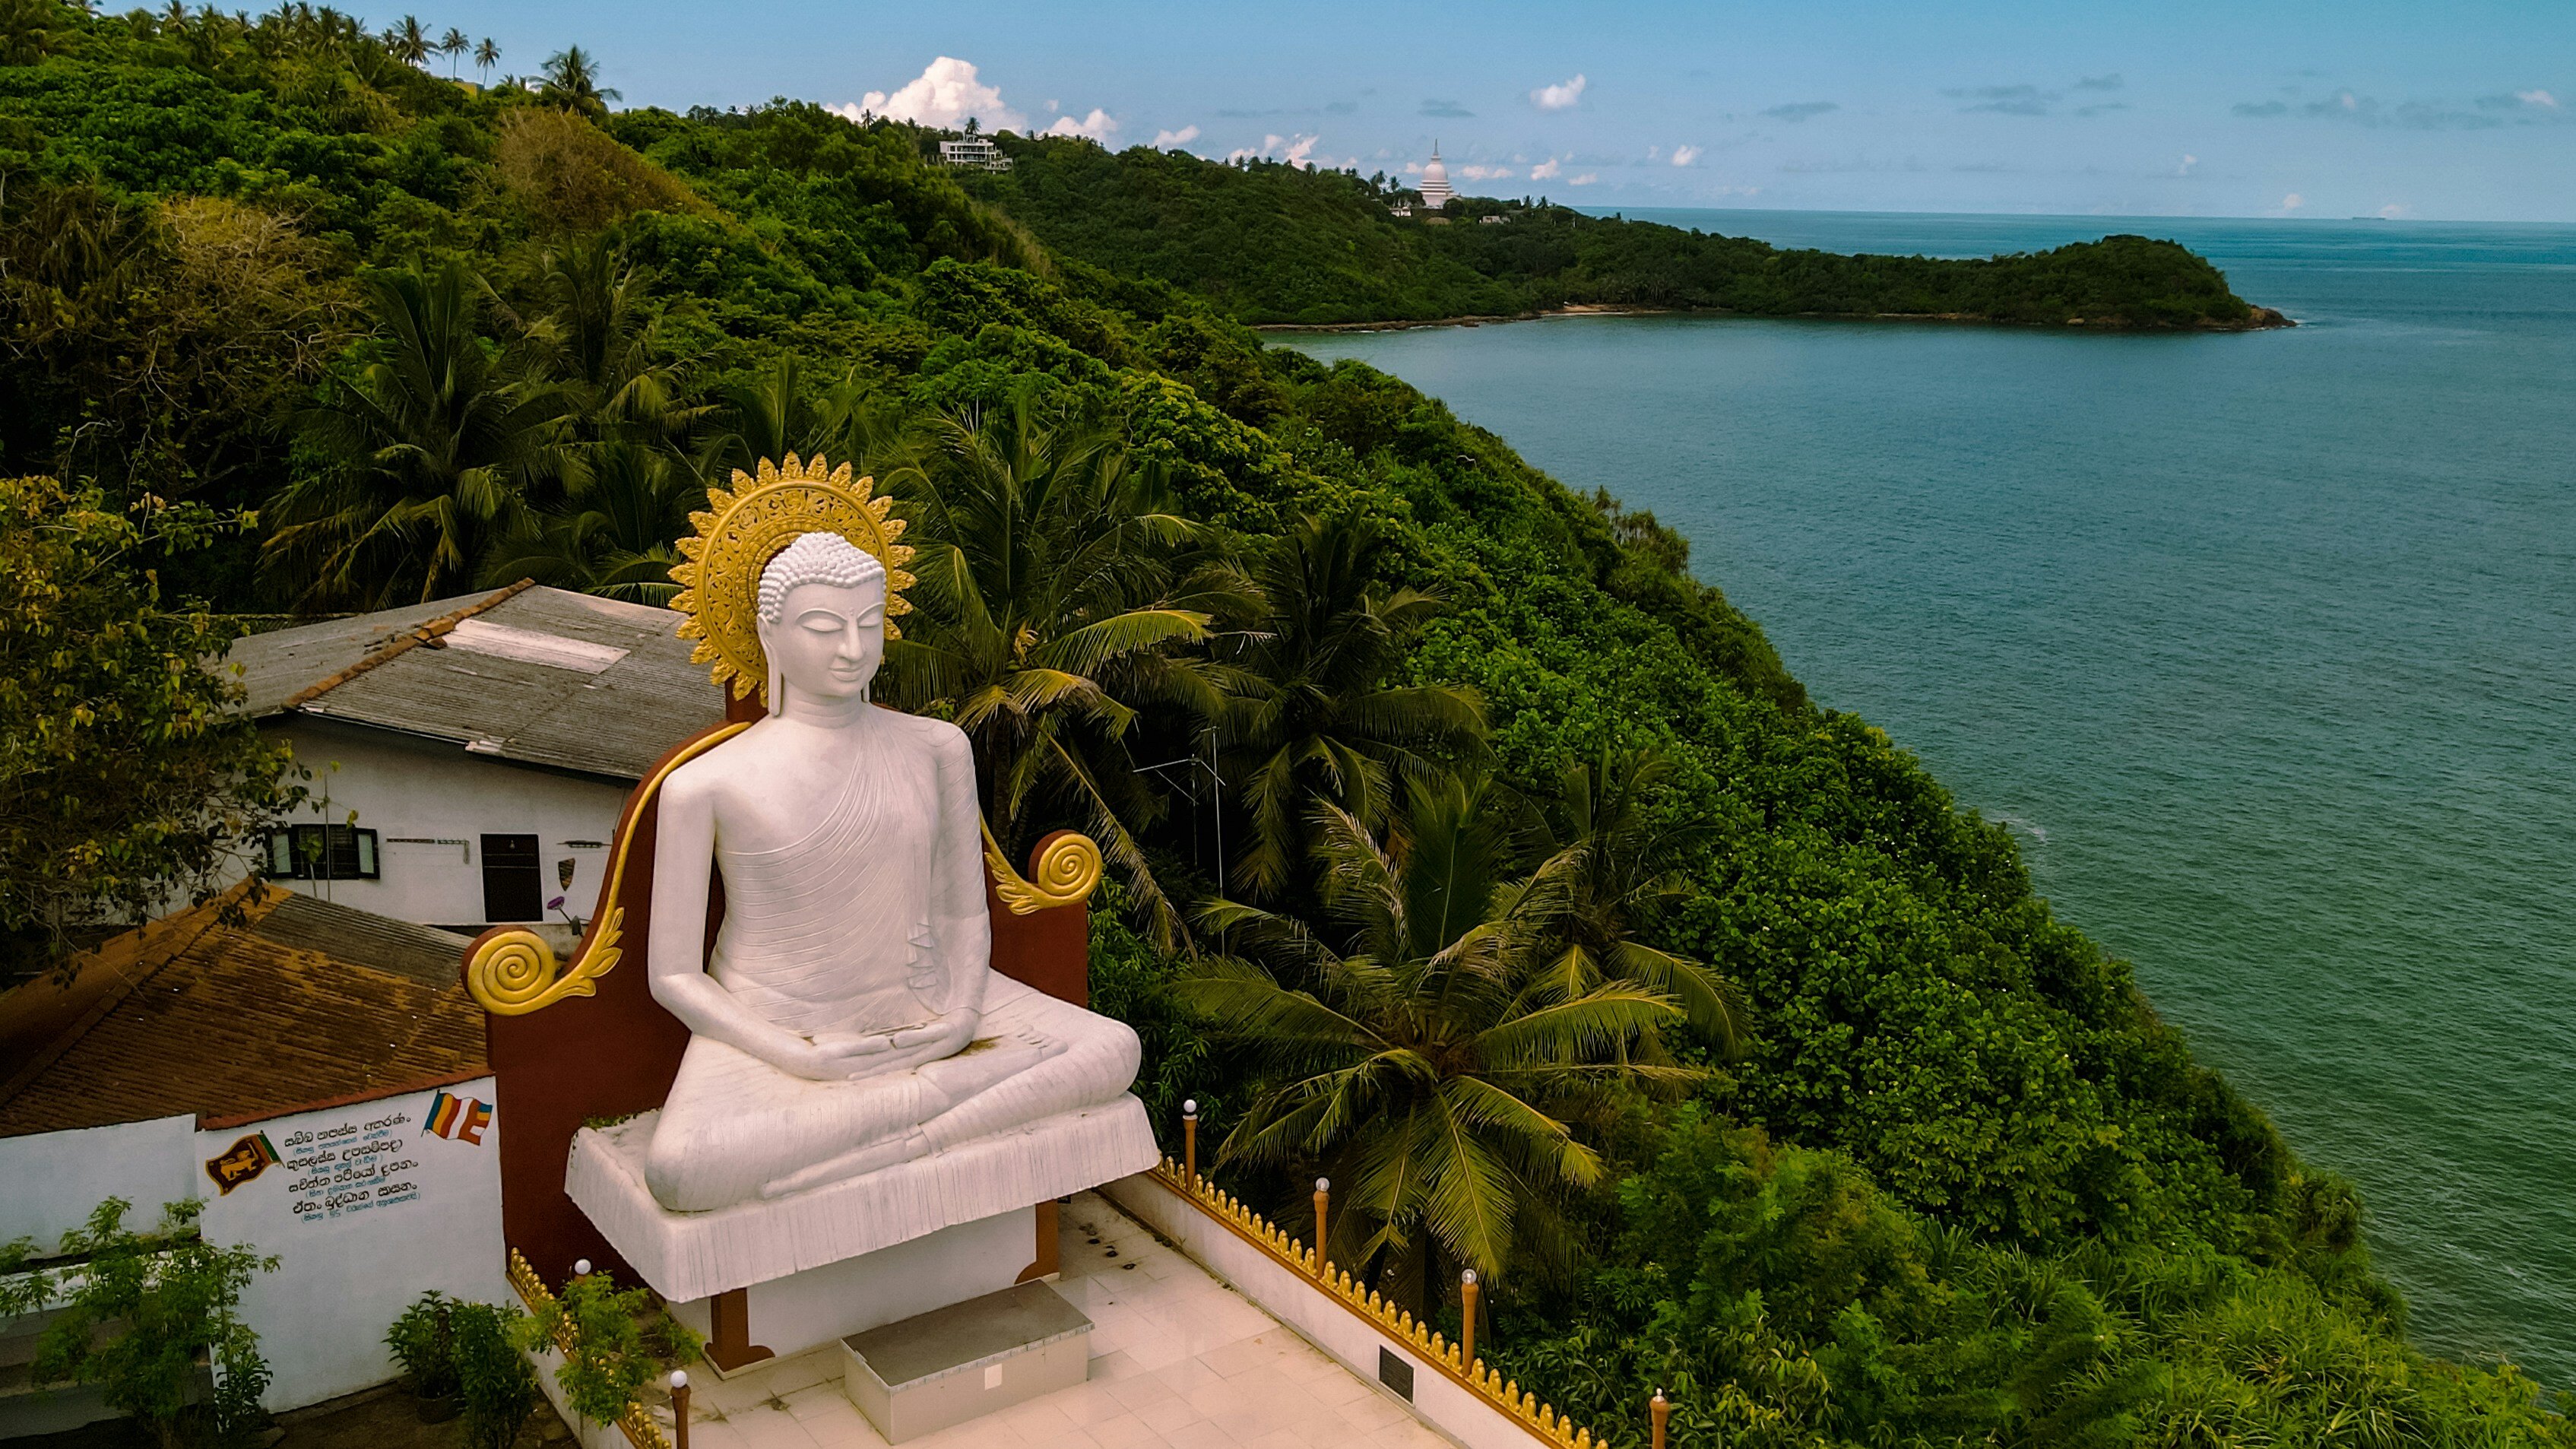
365, 1211
400, 786
803, 1310
50, 1182
1295, 1299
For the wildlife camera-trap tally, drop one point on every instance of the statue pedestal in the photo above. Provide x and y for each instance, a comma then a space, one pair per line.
854, 1295
856, 1254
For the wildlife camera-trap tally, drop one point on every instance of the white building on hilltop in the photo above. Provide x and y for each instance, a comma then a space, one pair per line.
1435, 189
975, 153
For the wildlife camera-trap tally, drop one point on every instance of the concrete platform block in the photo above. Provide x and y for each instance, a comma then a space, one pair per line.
966, 1360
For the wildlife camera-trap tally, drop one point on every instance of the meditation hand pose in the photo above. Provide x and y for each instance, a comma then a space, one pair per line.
848, 1018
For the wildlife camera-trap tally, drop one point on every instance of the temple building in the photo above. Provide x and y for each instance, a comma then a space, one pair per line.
470, 755
1435, 189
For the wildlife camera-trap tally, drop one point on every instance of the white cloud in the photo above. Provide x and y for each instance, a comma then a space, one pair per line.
1561, 96
1099, 126
1544, 170
1485, 173
2395, 210
2188, 162
2542, 99
945, 93
2291, 203
1685, 155
1166, 140
1299, 151
1586, 179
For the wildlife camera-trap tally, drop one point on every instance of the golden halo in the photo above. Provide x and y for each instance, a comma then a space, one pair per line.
744, 529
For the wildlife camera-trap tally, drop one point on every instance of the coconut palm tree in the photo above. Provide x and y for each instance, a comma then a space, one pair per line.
622, 505
766, 417
30, 30
1052, 597
408, 42
1415, 1065
452, 45
1314, 715
572, 81
487, 54
1612, 861
594, 338
429, 449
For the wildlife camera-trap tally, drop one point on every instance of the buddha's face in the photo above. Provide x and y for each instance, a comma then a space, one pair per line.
828, 639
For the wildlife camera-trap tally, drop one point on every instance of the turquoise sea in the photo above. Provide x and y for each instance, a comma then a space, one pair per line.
2264, 645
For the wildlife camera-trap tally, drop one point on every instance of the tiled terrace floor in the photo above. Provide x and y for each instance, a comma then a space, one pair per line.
1178, 1359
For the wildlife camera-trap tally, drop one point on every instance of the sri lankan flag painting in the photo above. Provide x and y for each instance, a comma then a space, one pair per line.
460, 1118
241, 1162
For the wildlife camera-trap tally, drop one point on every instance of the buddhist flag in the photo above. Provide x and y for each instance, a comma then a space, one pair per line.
461, 1118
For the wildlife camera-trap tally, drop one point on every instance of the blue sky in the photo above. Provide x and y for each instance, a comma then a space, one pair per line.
2461, 110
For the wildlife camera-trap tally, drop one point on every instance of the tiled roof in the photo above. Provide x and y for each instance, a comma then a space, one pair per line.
302, 1002
537, 675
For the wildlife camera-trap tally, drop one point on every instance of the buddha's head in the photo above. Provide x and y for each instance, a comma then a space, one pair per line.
822, 612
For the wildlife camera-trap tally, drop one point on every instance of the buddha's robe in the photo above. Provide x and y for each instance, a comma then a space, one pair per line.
874, 919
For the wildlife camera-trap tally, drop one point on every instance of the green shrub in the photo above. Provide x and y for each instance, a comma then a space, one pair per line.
494, 1377
423, 1342
144, 1317
613, 1342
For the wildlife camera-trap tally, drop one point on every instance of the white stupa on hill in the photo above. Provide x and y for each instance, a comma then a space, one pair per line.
1435, 182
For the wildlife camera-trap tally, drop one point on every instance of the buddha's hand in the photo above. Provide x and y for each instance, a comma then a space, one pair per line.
836, 1056
864, 1054
943, 1035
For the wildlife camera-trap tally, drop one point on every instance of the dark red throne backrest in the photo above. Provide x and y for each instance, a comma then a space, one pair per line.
615, 1052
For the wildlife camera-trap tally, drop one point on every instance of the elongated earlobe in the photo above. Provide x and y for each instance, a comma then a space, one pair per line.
774, 687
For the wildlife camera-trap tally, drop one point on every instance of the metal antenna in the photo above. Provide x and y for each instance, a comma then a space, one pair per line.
1188, 787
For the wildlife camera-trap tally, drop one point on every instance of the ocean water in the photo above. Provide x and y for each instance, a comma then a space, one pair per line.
2263, 644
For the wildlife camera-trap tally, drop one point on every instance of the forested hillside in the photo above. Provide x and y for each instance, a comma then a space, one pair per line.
1269, 243
1747, 1064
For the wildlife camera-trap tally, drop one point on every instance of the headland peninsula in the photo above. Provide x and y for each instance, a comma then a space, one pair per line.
1275, 245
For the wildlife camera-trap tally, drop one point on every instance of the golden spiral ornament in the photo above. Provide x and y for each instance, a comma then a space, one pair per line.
514, 972
745, 527
1069, 868
1068, 871
509, 971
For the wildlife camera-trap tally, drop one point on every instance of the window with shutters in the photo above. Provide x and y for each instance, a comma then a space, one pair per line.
513, 882
322, 852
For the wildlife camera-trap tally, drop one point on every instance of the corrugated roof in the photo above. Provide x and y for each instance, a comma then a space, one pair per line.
618, 692
303, 1002
423, 953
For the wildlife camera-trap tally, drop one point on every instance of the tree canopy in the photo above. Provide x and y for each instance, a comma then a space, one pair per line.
1268, 242
1941, 1176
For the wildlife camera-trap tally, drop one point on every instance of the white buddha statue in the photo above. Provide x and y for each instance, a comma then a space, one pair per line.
848, 1018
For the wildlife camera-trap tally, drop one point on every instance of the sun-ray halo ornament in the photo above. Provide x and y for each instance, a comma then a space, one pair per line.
745, 527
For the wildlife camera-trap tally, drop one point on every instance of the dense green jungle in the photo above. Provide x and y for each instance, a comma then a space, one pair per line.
1273, 244
1552, 921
